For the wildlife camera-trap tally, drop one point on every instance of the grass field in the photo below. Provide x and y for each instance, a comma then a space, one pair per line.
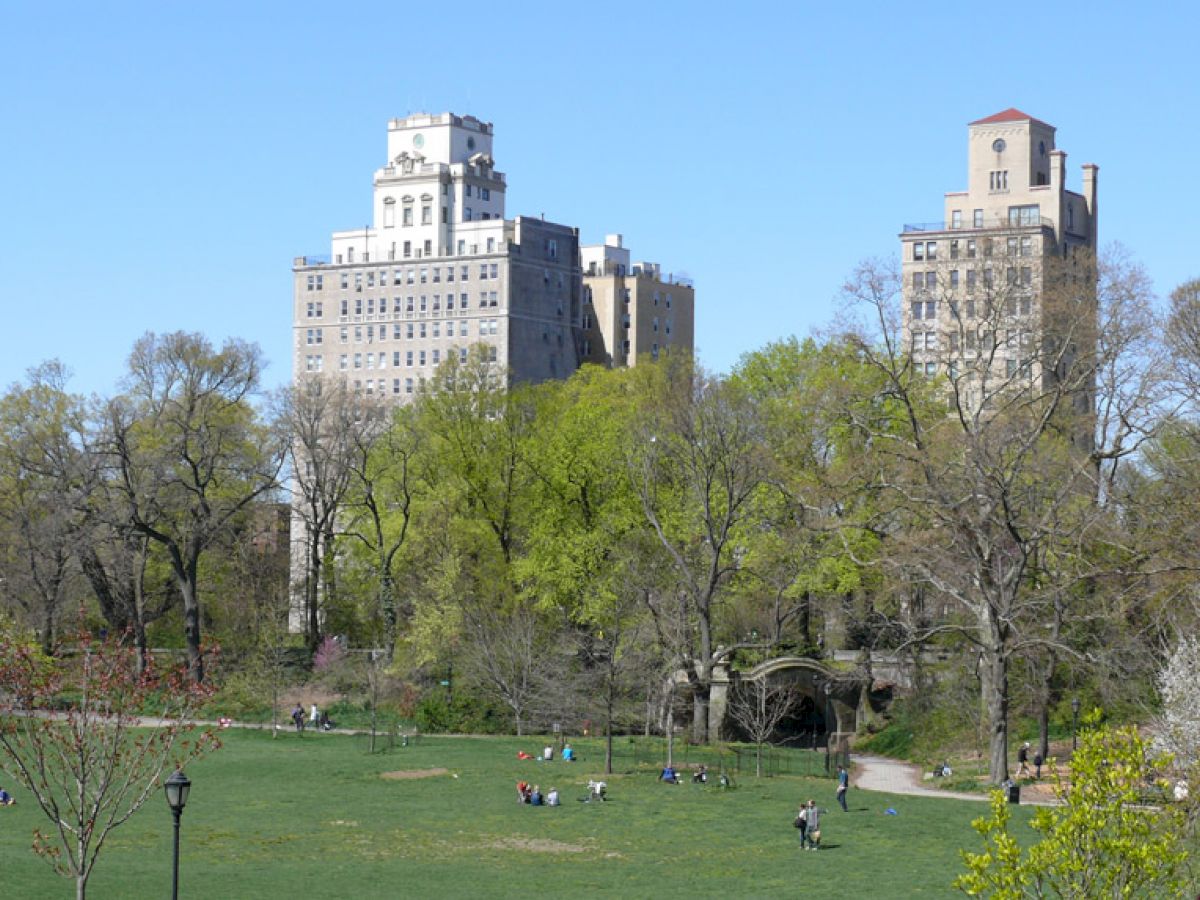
314, 817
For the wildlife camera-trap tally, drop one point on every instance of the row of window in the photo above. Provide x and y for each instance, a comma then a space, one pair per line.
972, 340
1014, 277
1013, 306
1014, 245
1012, 368
420, 303
408, 250
411, 359
406, 215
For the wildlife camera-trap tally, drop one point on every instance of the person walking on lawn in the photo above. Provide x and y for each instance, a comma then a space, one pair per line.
843, 787
813, 818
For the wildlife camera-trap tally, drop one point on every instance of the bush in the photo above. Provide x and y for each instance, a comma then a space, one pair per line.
465, 715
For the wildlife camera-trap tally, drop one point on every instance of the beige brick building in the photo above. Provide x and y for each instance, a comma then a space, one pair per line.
975, 284
439, 270
631, 310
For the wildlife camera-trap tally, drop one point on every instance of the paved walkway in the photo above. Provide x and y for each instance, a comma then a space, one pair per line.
877, 773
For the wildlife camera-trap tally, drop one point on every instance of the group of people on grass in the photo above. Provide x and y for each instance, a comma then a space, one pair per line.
670, 776
568, 755
318, 720
808, 818
532, 794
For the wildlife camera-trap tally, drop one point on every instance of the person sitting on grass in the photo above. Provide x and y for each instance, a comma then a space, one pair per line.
597, 790
535, 796
522, 792
568, 754
6, 799
521, 754
668, 775
700, 776
552, 797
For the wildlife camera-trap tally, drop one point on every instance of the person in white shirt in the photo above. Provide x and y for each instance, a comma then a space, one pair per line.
552, 797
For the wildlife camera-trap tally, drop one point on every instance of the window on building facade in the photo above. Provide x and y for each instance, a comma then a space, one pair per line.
918, 251
1024, 215
978, 218
407, 217
931, 250
971, 249
953, 279
956, 218
930, 281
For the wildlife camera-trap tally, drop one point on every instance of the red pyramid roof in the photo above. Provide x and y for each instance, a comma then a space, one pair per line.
1012, 114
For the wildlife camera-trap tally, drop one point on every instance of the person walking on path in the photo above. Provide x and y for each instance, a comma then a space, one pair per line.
813, 820
802, 821
843, 787
298, 717
314, 717
1023, 760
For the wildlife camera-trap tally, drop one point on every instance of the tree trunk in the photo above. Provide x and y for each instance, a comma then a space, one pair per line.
1044, 728
191, 622
994, 687
700, 713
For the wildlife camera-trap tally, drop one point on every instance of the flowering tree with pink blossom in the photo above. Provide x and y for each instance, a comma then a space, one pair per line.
89, 736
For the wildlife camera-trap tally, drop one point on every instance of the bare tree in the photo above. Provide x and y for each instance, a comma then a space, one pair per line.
1013, 472
759, 706
326, 423
506, 655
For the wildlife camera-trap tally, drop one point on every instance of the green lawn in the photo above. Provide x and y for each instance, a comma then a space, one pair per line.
312, 817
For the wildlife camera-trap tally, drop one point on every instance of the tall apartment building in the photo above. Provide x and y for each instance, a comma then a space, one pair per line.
632, 310
439, 270
976, 284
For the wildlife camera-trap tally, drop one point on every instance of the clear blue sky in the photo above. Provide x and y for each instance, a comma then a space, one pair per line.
164, 162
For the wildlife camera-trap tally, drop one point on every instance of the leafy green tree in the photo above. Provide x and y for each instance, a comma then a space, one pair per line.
699, 468
187, 453
1103, 840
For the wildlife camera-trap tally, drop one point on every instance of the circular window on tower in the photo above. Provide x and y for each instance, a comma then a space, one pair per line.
470, 143
998, 145
418, 141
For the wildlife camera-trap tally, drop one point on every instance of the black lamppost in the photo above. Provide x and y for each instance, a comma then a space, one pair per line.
177, 787
1074, 724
